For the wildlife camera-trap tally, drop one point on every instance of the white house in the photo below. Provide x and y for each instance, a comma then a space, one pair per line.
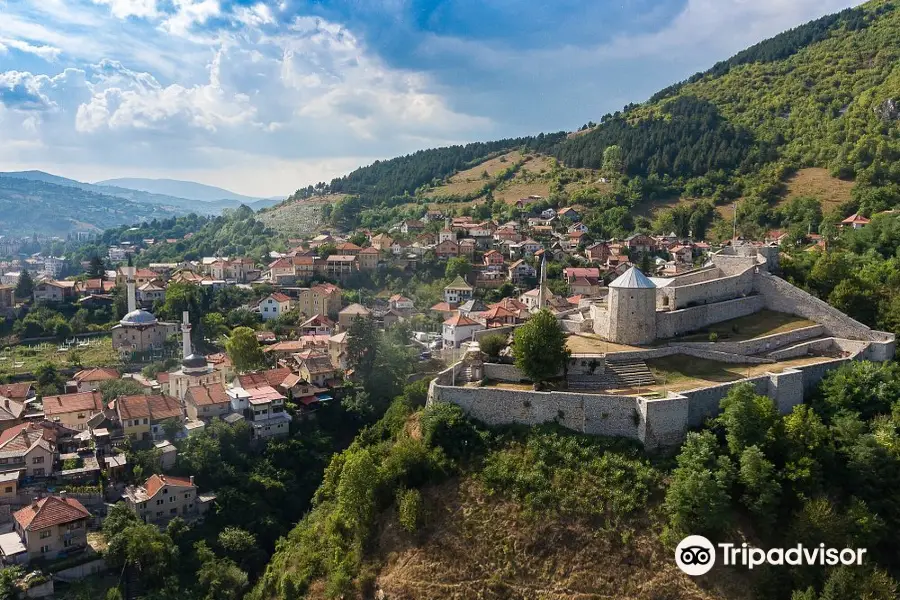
458, 291
398, 302
459, 328
274, 305
548, 213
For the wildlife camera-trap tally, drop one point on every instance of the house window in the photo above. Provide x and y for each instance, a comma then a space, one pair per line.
45, 549
160, 501
68, 543
172, 499
159, 513
45, 534
37, 460
173, 511
39, 472
145, 421
8, 489
187, 495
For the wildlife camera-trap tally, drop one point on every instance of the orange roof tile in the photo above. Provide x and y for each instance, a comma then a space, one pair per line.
67, 403
50, 511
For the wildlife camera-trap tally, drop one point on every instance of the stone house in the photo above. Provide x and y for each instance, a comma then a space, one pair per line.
53, 292
143, 417
368, 259
447, 249
346, 315
88, 380
459, 328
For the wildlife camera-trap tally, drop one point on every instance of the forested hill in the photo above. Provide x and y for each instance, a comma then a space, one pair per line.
824, 95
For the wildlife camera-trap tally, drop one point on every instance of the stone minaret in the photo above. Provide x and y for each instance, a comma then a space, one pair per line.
542, 283
185, 334
129, 283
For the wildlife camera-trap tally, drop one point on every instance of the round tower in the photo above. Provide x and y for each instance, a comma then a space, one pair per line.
632, 309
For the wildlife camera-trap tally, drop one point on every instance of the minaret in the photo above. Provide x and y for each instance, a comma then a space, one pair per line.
542, 284
185, 335
129, 283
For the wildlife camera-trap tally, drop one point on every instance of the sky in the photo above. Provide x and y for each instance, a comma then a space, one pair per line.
263, 97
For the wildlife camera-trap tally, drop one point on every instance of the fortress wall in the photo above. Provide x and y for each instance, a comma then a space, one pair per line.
813, 374
819, 347
724, 357
677, 322
766, 343
503, 372
786, 389
611, 415
881, 350
732, 264
641, 354
501, 330
600, 319
706, 292
663, 422
704, 403
783, 297
698, 276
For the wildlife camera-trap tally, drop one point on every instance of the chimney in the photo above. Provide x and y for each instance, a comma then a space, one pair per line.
129, 282
34, 502
62, 494
192, 480
185, 334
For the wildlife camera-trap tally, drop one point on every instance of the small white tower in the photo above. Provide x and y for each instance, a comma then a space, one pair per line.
129, 285
542, 284
185, 335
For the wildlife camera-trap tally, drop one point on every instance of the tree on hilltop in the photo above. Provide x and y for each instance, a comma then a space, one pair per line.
540, 347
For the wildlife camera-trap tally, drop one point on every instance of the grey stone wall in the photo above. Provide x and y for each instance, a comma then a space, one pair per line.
663, 423
724, 357
732, 264
781, 296
703, 403
632, 315
502, 372
678, 322
697, 276
706, 292
786, 390
766, 343
495, 330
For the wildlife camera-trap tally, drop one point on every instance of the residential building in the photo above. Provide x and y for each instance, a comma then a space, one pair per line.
382, 242
346, 315
337, 350
28, 449
492, 258
315, 367
143, 417
447, 249
368, 259
11, 412
151, 292
7, 297
570, 213
163, 497
585, 286
267, 415
458, 291
467, 248
411, 226
317, 325
855, 221
459, 328
88, 380
398, 302
520, 270
597, 253
51, 527
340, 266
274, 305
205, 402
640, 242
52, 291
73, 410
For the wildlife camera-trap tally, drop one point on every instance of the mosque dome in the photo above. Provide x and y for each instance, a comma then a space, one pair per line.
138, 317
194, 361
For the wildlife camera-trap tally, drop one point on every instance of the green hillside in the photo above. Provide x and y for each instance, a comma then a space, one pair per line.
825, 95
28, 206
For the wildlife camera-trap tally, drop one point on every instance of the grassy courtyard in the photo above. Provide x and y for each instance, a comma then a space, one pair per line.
681, 372
765, 322
25, 358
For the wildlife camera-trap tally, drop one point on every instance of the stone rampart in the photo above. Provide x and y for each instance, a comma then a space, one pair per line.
709, 292
495, 330
762, 344
503, 372
781, 296
673, 323
696, 276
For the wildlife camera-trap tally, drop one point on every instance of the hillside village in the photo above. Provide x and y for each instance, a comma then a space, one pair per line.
83, 438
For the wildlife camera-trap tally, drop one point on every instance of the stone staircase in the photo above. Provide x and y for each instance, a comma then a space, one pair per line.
592, 382
630, 372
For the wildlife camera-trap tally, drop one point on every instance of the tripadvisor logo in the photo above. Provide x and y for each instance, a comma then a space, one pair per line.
696, 555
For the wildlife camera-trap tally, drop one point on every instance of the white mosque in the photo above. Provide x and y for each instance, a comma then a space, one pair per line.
139, 331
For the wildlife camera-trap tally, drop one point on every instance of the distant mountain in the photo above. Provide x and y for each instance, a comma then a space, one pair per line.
33, 205
162, 205
180, 189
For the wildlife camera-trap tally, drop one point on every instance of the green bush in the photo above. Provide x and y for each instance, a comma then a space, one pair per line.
446, 426
409, 509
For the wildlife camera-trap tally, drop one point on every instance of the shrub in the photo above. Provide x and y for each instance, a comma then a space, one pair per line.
492, 344
713, 336
409, 509
446, 426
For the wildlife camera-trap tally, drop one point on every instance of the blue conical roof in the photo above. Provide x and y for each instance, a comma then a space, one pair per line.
632, 279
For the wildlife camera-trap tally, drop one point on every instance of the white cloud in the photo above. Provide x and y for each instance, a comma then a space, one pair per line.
253, 16
48, 53
143, 9
189, 13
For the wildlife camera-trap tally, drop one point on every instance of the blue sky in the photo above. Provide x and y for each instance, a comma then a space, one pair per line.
266, 96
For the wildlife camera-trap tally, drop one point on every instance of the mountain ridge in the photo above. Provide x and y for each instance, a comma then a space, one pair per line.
189, 190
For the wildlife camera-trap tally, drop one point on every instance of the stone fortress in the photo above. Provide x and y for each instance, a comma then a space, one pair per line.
638, 319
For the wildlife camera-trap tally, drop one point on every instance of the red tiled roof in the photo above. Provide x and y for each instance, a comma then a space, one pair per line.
279, 297
96, 374
460, 320
272, 377
50, 511
855, 218
15, 391
206, 395
158, 482
67, 403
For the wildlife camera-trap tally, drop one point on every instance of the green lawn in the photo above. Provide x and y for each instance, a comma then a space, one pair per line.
29, 356
765, 322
